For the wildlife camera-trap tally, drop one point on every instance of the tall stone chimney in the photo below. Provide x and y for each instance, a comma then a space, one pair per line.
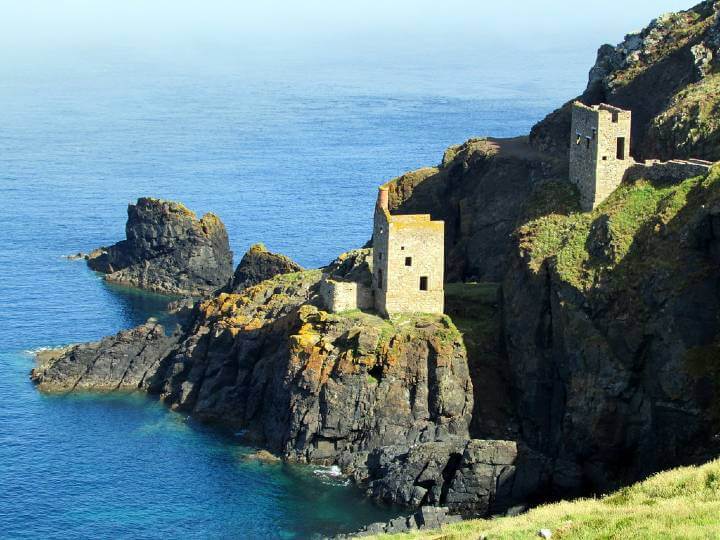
383, 200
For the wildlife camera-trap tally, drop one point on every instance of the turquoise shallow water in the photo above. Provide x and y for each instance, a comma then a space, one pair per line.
288, 155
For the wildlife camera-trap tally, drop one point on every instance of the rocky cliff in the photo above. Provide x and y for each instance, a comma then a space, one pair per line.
367, 393
611, 321
591, 361
168, 250
610, 318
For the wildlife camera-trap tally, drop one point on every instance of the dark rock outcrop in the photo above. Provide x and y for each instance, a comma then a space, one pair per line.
426, 518
356, 390
126, 361
469, 476
168, 250
259, 264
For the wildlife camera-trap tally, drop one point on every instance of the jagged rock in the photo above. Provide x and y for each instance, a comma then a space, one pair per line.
426, 518
354, 266
128, 360
470, 477
259, 264
702, 57
305, 384
168, 250
600, 241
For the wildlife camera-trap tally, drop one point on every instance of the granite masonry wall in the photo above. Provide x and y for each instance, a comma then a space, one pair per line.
599, 151
408, 258
345, 295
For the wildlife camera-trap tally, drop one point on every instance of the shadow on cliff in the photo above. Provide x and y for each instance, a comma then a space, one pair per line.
607, 382
483, 190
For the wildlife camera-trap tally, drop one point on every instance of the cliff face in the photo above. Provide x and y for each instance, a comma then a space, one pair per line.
353, 389
612, 326
668, 74
168, 250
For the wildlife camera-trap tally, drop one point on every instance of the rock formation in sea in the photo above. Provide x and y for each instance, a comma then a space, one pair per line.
259, 264
168, 250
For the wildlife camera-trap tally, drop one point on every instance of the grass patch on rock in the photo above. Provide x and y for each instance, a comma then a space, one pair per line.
582, 244
681, 503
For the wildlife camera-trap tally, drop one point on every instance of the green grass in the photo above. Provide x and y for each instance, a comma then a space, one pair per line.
681, 503
629, 210
471, 292
691, 123
474, 310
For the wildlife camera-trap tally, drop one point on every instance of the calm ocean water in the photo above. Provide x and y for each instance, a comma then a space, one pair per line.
287, 155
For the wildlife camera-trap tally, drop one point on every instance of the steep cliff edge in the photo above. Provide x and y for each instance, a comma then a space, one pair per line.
168, 250
390, 401
611, 321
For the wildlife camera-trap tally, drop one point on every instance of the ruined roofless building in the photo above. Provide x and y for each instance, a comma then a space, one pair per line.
600, 155
408, 261
599, 151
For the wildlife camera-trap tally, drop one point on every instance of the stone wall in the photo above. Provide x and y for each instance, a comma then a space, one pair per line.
668, 171
583, 153
341, 296
613, 124
380, 262
415, 257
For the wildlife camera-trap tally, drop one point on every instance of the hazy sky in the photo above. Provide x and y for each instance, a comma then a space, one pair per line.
323, 25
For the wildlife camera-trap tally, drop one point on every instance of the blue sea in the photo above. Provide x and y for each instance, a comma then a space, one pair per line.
289, 154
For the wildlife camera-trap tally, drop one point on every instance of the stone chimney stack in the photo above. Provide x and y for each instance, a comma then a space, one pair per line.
383, 200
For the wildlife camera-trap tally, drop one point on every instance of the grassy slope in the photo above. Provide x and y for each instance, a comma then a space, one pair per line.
635, 212
681, 503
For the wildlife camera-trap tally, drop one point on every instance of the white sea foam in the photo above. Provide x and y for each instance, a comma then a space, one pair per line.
332, 475
33, 352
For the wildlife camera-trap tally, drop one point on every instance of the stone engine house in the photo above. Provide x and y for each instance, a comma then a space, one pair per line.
599, 151
600, 155
407, 267
408, 261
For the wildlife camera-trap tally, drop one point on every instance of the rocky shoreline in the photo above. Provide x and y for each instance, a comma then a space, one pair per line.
388, 401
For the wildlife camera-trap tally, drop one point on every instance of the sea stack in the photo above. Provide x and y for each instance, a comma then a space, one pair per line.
168, 250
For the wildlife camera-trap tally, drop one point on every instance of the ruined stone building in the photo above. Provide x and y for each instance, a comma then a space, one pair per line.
408, 261
599, 151
600, 155
406, 273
